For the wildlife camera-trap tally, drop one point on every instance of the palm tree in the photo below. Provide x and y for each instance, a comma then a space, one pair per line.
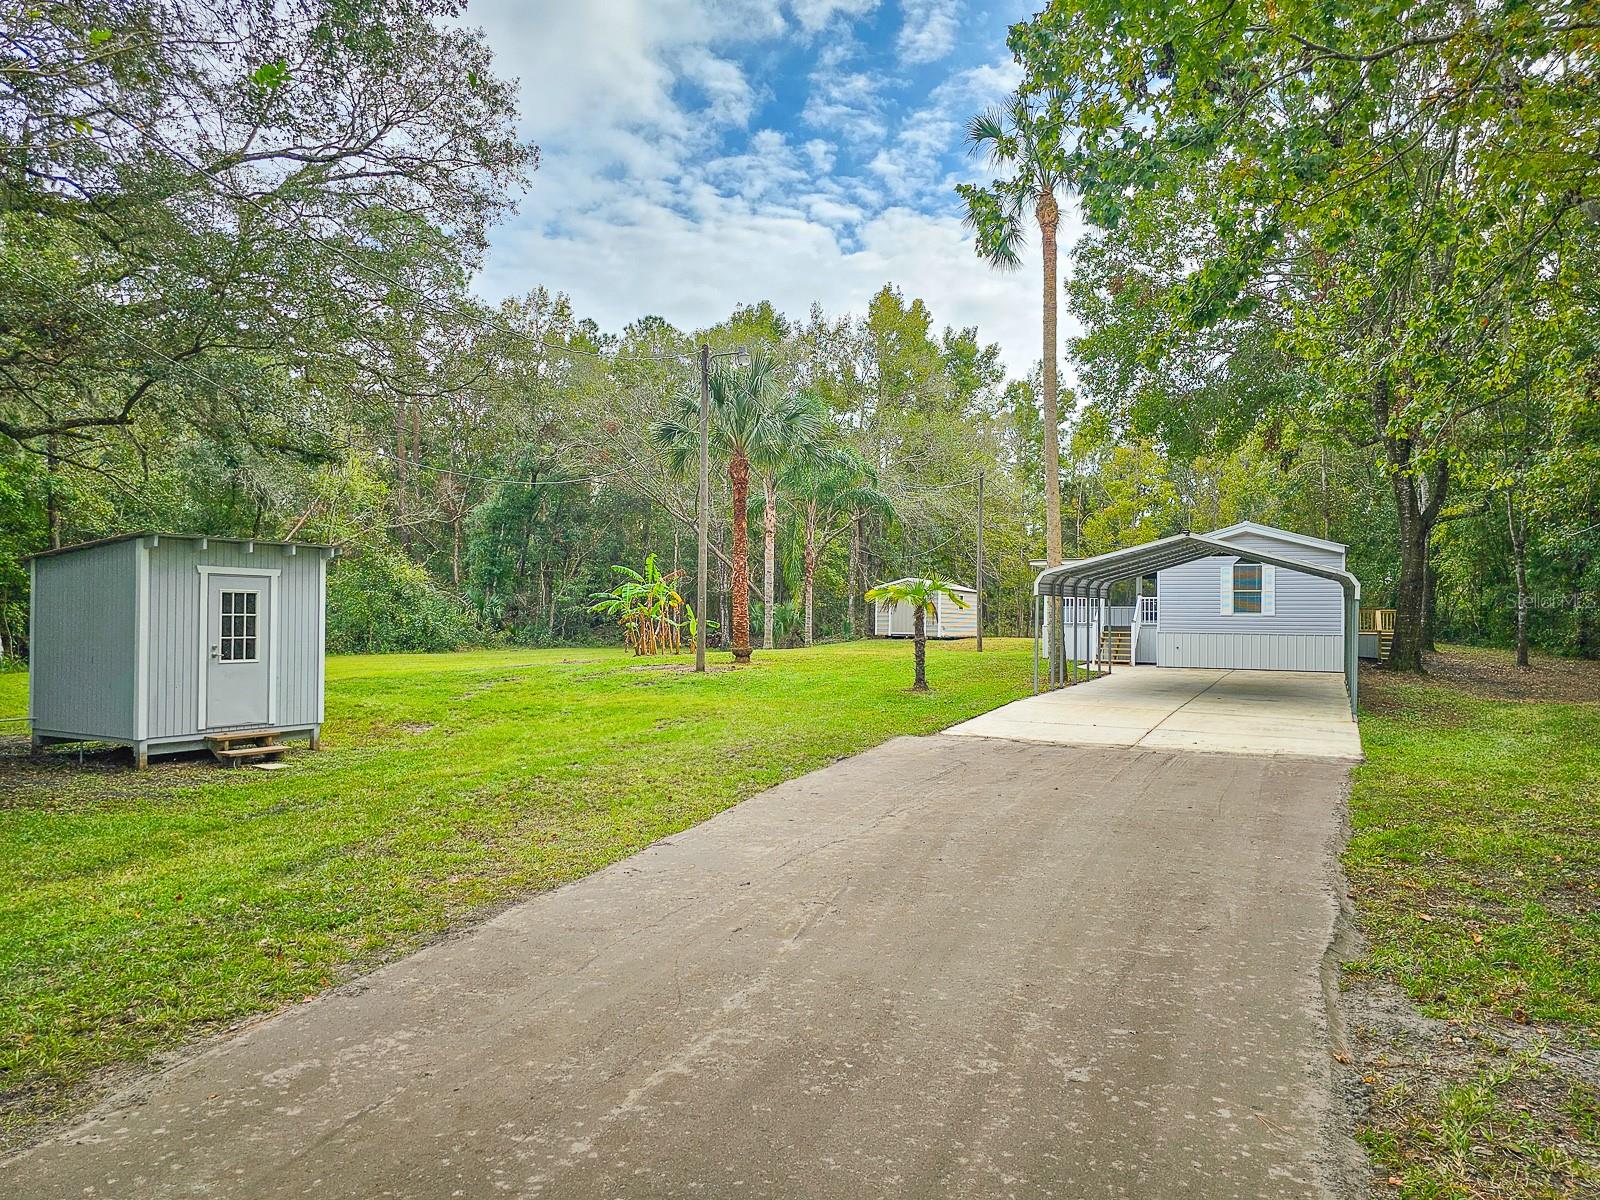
752, 420
835, 488
1017, 139
772, 467
922, 595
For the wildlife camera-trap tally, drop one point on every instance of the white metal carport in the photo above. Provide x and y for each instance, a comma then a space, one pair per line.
1092, 578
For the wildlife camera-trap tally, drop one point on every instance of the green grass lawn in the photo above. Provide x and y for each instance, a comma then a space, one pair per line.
1474, 863
140, 909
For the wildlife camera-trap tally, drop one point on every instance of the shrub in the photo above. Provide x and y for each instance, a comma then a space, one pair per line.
379, 601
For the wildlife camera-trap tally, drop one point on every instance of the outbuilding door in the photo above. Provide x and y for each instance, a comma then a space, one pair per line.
238, 662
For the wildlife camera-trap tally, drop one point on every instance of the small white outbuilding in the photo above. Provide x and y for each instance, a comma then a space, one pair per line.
948, 620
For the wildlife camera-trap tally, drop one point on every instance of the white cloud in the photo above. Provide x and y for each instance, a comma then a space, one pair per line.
693, 271
928, 30
911, 166
661, 192
821, 153
814, 15
844, 101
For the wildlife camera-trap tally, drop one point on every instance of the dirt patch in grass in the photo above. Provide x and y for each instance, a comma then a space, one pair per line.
1494, 675
57, 780
681, 668
1488, 1109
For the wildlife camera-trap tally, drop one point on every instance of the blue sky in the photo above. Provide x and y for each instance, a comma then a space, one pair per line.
702, 153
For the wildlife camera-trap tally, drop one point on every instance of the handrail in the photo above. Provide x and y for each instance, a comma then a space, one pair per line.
1377, 620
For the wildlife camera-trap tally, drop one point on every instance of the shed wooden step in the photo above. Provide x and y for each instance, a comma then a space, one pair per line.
234, 753
228, 736
226, 746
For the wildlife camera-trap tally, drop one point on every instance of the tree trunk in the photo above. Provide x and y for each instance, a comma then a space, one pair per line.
1517, 524
1430, 601
853, 581
808, 556
769, 536
457, 517
52, 501
1418, 497
1049, 218
739, 484
402, 473
919, 650
1049, 215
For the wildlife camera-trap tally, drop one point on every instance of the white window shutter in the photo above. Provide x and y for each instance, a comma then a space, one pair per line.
1269, 589
1227, 589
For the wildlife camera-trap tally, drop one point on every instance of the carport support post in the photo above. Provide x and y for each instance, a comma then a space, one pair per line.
1033, 611
1052, 610
1352, 646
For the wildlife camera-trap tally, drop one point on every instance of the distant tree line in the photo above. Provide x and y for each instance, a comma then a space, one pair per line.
234, 299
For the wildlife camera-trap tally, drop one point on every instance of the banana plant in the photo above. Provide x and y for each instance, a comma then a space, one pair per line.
648, 606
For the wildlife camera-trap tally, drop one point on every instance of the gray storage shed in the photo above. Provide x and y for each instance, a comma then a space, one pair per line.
170, 642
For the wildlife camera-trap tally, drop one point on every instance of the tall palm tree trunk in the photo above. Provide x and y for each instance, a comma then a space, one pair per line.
919, 649
769, 535
739, 482
1049, 215
808, 556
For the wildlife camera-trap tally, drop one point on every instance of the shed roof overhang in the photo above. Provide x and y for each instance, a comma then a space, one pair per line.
153, 537
1088, 576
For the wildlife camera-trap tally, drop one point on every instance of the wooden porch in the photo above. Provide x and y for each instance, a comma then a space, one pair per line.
1381, 622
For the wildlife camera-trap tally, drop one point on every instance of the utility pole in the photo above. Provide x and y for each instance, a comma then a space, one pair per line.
980, 561
702, 510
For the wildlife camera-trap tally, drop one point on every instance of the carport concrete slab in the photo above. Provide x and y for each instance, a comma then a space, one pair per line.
1300, 714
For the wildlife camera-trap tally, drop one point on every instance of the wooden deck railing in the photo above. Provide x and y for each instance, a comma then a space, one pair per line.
1381, 622
1377, 620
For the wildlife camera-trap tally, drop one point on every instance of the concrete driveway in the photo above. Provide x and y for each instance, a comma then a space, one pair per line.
1303, 714
951, 966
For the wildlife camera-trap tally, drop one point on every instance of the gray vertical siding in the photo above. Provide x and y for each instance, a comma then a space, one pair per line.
1304, 633
1145, 651
83, 670
1251, 651
175, 657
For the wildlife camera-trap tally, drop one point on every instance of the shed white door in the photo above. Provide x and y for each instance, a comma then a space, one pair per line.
238, 666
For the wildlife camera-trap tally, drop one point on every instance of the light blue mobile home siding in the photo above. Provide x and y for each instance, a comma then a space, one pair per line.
175, 630
83, 671
1305, 633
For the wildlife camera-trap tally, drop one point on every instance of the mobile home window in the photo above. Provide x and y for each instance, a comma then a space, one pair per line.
239, 626
1246, 587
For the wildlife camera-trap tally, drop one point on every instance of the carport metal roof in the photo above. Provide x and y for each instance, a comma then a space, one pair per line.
1093, 577
1087, 576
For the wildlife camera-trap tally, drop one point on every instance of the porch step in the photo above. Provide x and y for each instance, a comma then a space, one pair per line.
1118, 641
226, 747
